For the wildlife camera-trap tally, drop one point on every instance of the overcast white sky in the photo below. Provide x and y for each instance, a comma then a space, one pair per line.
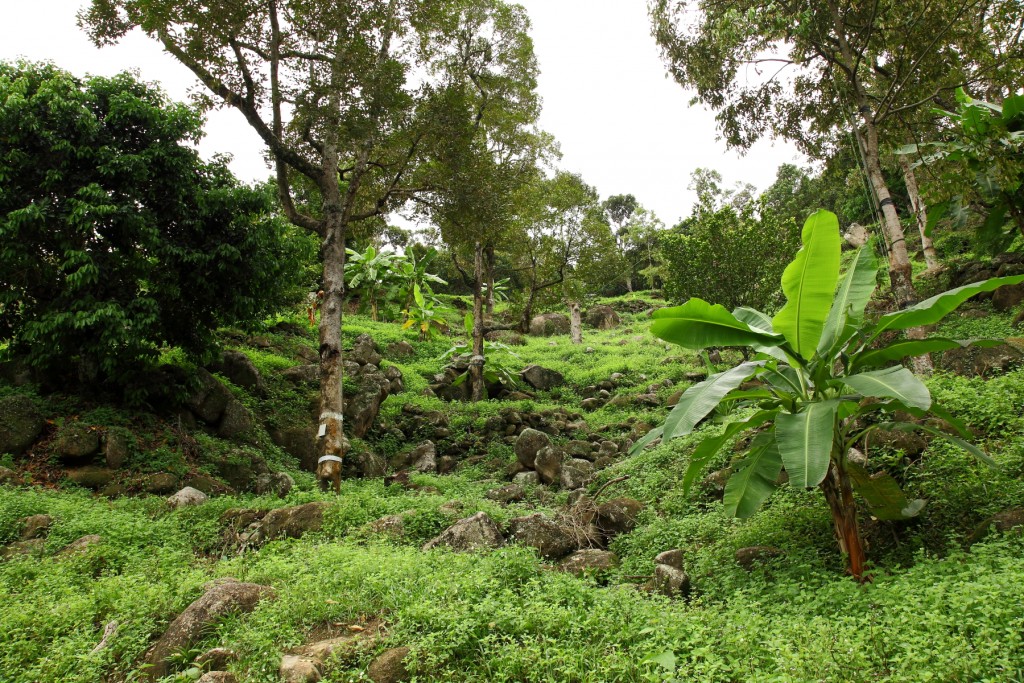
620, 121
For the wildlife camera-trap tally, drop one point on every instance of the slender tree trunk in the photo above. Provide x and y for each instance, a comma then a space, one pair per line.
476, 362
629, 282
839, 496
575, 324
489, 263
524, 323
331, 362
900, 272
931, 257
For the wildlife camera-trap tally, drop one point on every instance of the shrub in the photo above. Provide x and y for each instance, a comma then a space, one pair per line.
117, 238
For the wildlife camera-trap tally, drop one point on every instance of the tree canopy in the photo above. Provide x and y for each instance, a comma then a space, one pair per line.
117, 238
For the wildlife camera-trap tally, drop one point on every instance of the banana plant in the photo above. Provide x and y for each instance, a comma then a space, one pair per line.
424, 315
820, 381
411, 273
369, 274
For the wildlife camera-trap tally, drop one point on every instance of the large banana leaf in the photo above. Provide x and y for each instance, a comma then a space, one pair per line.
882, 494
805, 442
933, 310
809, 283
760, 321
850, 300
755, 480
914, 347
698, 324
708, 448
897, 382
700, 399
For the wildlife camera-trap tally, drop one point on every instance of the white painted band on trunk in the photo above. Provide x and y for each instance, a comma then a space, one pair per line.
332, 458
330, 414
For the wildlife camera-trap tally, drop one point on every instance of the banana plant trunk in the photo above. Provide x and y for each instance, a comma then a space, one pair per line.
839, 496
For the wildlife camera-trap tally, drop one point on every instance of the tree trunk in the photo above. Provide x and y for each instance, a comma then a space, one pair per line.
528, 307
489, 263
931, 257
900, 272
476, 361
331, 363
629, 282
839, 496
575, 324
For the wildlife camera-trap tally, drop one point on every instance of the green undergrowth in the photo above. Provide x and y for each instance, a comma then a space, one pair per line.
939, 608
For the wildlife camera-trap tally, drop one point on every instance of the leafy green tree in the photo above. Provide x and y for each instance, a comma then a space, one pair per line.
349, 98
980, 168
810, 72
117, 239
729, 255
821, 381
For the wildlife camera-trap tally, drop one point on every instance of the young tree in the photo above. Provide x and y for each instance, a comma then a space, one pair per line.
346, 96
492, 150
117, 238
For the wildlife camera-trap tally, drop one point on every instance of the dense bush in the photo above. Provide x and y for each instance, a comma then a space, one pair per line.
733, 257
116, 237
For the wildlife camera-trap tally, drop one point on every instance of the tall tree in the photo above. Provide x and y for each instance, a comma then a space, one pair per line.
345, 95
809, 72
493, 148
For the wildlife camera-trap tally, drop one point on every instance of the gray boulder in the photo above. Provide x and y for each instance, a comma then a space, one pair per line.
472, 533
551, 540
222, 598
302, 374
9, 476
389, 666
294, 521
524, 479
575, 473
528, 444
76, 441
671, 581
217, 677
21, 423
236, 422
549, 464
548, 324
589, 561
116, 448
187, 497
618, 516
91, 477
365, 351
210, 399
35, 526
602, 317
424, 458
541, 378
510, 493
237, 367
299, 669
278, 483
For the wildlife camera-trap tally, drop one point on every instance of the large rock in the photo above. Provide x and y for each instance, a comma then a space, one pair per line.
472, 533
240, 468
217, 677
510, 493
389, 666
237, 367
671, 581
401, 349
361, 410
618, 516
424, 458
575, 473
551, 540
277, 483
35, 526
187, 497
528, 444
365, 351
76, 441
9, 476
91, 477
541, 378
299, 669
81, 545
192, 625
302, 374
160, 483
21, 423
293, 522
236, 422
548, 464
116, 448
752, 556
548, 324
210, 399
602, 317
300, 443
1008, 297
589, 561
